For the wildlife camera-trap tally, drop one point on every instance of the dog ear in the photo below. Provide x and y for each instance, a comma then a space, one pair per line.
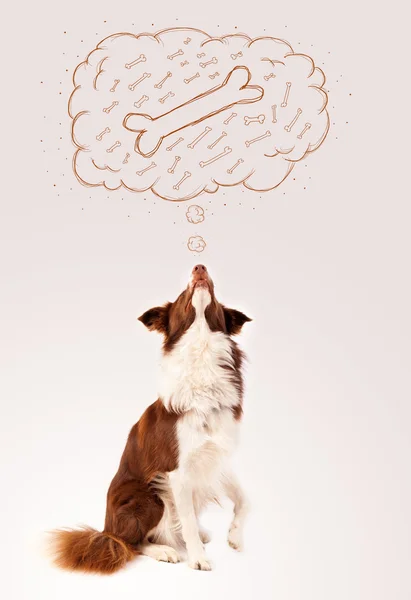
156, 319
234, 320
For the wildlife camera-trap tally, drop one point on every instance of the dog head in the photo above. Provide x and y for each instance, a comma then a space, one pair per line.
196, 302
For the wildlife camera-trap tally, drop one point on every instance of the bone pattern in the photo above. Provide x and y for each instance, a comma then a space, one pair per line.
166, 97
232, 116
237, 164
259, 119
294, 121
174, 144
286, 94
257, 139
116, 144
213, 61
306, 128
186, 175
110, 108
213, 144
190, 79
205, 163
138, 60
133, 86
151, 166
140, 102
174, 165
160, 84
99, 137
178, 53
198, 139
247, 120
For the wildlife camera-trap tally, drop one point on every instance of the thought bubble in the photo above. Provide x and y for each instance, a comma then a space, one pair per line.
182, 113
195, 214
196, 243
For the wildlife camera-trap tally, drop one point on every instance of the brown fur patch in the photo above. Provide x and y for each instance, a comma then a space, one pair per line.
133, 507
89, 550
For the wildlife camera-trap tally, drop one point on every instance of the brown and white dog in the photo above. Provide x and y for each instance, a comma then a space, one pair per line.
175, 459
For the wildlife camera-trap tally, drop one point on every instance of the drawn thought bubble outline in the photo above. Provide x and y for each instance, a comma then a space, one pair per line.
213, 184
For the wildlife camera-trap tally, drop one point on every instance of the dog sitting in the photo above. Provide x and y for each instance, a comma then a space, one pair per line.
176, 457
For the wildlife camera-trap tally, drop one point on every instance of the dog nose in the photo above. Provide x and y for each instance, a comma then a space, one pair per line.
199, 270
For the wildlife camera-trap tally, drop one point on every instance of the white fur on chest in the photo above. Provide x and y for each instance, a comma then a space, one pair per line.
194, 374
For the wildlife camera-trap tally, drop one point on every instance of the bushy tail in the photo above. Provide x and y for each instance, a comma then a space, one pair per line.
89, 550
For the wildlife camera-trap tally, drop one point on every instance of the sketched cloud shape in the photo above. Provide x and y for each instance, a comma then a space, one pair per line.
196, 243
182, 113
195, 214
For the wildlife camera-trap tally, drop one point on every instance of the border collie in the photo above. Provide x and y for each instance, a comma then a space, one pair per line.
176, 457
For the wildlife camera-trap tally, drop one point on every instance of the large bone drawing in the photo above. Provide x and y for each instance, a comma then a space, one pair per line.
153, 130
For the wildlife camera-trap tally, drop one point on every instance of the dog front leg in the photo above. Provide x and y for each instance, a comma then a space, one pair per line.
236, 495
183, 498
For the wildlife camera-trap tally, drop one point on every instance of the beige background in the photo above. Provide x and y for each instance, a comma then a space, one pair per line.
321, 264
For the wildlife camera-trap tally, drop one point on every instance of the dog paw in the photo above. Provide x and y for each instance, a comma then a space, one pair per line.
200, 564
161, 553
205, 537
235, 539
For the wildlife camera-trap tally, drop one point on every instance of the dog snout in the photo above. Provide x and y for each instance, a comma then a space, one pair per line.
199, 270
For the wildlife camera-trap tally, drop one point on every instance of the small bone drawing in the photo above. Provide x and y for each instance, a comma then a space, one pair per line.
178, 53
115, 84
205, 163
140, 173
260, 119
180, 139
173, 167
306, 128
270, 76
99, 137
201, 55
230, 171
113, 147
183, 64
187, 41
238, 55
212, 61
160, 84
199, 138
140, 102
257, 139
274, 109
191, 78
214, 75
228, 119
211, 146
138, 60
294, 121
287, 93
186, 175
127, 156
151, 131
133, 86
107, 110
164, 98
